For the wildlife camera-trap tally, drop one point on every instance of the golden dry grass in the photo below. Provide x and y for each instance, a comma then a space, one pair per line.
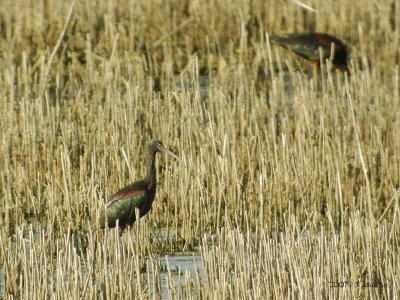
290, 181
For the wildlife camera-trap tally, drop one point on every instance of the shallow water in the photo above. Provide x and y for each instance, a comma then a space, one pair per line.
184, 82
179, 266
174, 267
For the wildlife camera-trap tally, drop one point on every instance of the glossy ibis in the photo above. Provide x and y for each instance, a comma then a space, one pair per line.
138, 195
307, 46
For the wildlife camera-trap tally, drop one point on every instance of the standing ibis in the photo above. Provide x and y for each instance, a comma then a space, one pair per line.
307, 46
138, 195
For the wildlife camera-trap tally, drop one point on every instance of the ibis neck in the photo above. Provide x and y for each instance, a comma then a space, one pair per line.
150, 169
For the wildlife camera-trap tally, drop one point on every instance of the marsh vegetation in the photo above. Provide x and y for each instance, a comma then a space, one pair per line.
289, 185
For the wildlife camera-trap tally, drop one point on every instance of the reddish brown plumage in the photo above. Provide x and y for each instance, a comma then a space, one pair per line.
307, 45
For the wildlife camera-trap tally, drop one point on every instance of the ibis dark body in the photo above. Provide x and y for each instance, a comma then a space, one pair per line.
307, 46
138, 195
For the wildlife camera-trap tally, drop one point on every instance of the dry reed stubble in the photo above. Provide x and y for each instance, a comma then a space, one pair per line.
307, 165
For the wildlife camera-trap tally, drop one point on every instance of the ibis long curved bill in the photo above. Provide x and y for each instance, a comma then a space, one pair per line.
169, 152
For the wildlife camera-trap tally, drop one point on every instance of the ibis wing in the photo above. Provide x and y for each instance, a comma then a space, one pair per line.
129, 193
133, 198
297, 44
122, 204
307, 44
